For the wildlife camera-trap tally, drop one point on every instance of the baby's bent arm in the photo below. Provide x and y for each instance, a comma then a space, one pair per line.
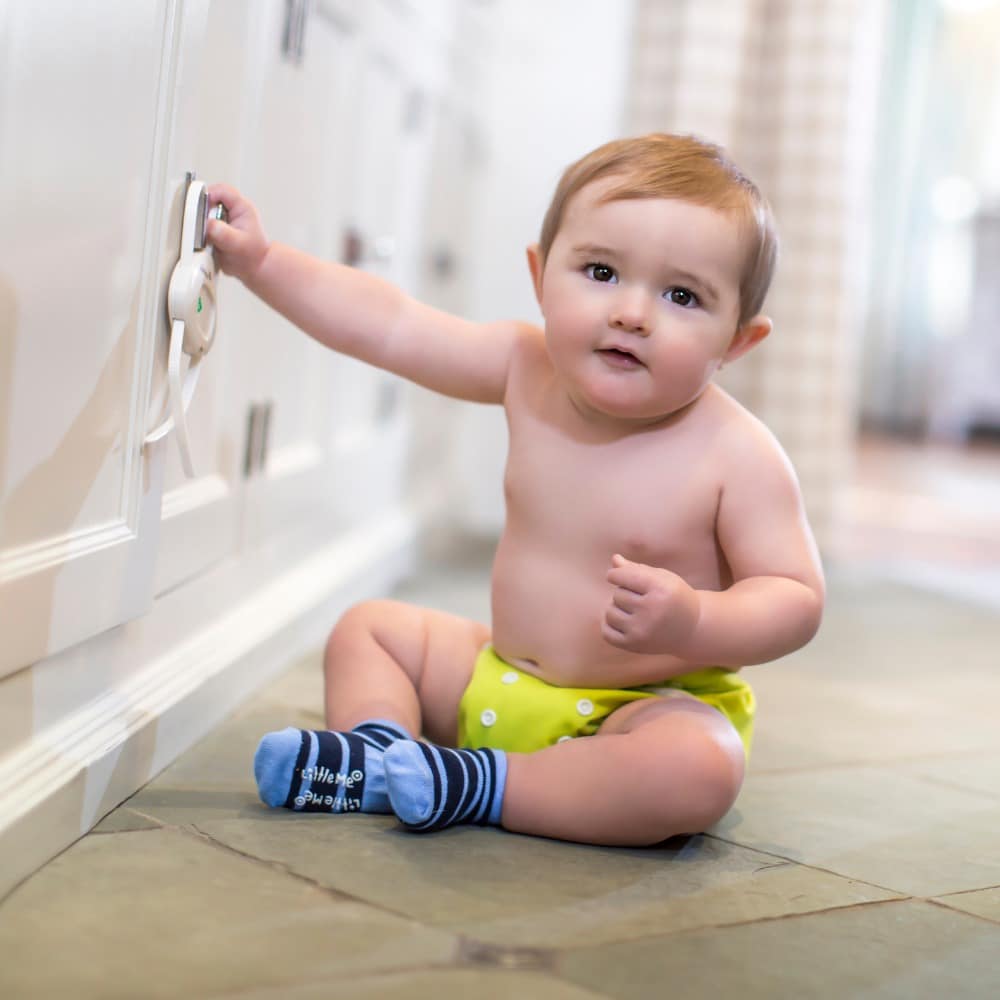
775, 603
756, 620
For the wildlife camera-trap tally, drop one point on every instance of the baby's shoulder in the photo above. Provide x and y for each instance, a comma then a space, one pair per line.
744, 443
529, 361
529, 350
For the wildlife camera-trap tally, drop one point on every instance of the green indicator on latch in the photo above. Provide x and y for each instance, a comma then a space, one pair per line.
199, 303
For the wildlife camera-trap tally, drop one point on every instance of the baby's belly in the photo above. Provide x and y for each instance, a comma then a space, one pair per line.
547, 619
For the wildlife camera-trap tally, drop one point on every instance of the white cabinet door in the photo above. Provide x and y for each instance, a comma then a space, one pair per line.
214, 68
371, 426
294, 157
80, 208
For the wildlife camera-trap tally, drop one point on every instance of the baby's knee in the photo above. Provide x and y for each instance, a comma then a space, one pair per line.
363, 620
711, 768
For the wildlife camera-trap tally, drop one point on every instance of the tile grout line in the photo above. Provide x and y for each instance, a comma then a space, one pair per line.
375, 974
955, 787
461, 939
966, 892
816, 868
937, 901
756, 920
334, 894
160, 825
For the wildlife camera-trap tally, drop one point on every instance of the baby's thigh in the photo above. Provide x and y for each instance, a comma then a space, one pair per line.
451, 647
678, 721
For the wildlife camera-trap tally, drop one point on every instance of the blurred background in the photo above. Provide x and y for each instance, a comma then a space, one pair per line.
874, 128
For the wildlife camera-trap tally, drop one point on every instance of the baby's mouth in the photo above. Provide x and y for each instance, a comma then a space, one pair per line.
617, 357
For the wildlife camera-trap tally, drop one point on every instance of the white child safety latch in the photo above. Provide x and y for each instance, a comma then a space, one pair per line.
191, 306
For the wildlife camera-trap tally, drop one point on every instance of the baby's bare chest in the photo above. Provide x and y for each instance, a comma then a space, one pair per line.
652, 497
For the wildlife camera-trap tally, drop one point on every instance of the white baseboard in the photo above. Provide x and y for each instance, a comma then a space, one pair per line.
63, 780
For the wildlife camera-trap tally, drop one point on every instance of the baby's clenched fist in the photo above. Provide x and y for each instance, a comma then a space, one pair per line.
652, 610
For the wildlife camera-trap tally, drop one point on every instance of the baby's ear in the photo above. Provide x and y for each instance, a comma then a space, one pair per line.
536, 265
748, 336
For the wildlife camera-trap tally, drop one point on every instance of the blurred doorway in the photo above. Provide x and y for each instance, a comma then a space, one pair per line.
927, 485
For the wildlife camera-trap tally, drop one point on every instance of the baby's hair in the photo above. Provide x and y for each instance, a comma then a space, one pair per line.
661, 165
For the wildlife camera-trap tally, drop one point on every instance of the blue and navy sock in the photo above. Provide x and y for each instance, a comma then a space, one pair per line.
431, 787
316, 771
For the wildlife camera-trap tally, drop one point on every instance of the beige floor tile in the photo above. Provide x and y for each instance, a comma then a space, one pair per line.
224, 758
983, 903
299, 689
893, 673
215, 777
526, 891
906, 950
978, 772
900, 638
165, 914
874, 824
806, 722
436, 984
459, 584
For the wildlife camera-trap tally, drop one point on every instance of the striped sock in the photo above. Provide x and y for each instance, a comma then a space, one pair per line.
431, 787
318, 771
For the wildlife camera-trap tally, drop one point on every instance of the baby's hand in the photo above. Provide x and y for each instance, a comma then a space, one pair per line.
652, 610
240, 244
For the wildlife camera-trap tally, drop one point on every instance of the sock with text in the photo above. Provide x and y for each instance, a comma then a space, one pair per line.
323, 771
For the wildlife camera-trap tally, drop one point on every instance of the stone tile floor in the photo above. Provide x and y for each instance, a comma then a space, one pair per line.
861, 860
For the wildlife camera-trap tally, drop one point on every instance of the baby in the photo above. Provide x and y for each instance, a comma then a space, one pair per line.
655, 539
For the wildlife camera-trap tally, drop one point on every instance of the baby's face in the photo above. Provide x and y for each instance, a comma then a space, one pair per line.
641, 301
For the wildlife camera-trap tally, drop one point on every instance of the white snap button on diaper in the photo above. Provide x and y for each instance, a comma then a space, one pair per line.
509, 678
585, 706
564, 739
488, 717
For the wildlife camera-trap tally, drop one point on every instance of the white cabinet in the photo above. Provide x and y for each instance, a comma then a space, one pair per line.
137, 605
322, 121
81, 165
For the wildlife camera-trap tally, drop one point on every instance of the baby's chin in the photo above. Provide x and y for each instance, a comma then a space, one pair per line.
631, 405
630, 414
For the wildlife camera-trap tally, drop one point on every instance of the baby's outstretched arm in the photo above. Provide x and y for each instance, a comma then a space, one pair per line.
360, 314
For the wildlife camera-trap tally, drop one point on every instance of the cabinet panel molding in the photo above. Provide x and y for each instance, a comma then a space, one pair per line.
191, 666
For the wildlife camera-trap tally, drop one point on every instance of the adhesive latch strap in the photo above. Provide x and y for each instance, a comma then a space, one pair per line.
181, 393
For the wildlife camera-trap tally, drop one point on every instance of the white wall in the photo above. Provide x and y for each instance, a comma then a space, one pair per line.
555, 89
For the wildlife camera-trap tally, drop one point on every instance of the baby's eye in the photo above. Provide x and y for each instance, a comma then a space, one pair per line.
681, 297
600, 272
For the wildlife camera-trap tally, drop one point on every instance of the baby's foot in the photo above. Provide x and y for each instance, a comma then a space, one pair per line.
431, 787
316, 771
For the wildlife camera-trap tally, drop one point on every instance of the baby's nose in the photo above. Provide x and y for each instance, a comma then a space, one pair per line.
631, 313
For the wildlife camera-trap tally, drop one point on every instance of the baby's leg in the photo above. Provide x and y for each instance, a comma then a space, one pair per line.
390, 660
656, 768
391, 670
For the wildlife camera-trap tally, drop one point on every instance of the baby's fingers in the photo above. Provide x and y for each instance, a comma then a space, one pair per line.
617, 619
632, 576
226, 195
225, 237
626, 600
613, 636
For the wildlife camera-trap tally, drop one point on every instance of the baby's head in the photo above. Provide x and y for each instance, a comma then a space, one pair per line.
687, 169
